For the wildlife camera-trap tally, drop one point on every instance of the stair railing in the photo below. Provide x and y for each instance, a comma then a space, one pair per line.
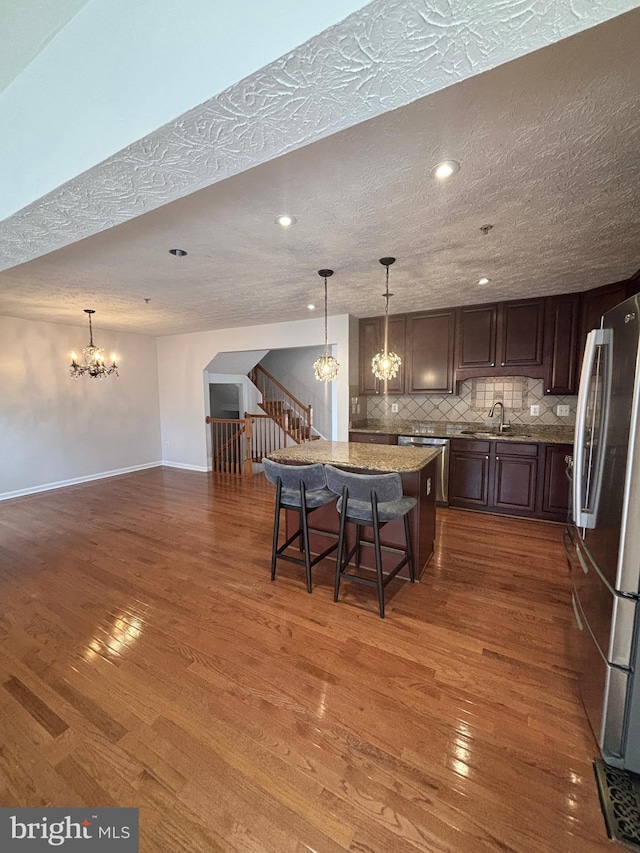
277, 401
267, 434
231, 442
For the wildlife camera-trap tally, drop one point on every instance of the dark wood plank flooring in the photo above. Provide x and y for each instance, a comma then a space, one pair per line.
147, 660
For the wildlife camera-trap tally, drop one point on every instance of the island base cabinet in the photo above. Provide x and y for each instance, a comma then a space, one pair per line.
422, 521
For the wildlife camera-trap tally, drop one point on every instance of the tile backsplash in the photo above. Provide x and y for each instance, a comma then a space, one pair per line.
472, 404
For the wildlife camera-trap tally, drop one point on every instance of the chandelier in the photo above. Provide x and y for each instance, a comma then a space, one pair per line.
326, 367
386, 364
93, 361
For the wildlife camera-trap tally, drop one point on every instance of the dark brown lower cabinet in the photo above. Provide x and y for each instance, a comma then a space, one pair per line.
554, 499
514, 478
469, 474
496, 476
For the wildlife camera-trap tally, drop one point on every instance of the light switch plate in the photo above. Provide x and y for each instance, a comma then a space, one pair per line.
534, 410
562, 411
394, 407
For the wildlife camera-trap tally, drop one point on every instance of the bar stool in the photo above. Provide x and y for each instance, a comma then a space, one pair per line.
302, 488
372, 500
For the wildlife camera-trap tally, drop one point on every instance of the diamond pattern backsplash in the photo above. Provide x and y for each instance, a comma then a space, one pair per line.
517, 393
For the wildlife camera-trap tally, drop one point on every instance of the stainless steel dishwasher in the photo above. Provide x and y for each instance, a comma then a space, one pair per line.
442, 465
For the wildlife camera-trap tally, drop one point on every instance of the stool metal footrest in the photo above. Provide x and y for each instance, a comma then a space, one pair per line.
372, 581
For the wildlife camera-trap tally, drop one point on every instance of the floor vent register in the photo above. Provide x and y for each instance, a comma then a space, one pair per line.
619, 793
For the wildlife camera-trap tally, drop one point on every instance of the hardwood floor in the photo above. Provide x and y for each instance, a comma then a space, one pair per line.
147, 660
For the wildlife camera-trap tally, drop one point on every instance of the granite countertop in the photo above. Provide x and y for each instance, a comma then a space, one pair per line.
444, 429
365, 457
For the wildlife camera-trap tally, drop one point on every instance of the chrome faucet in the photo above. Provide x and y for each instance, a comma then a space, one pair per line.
492, 412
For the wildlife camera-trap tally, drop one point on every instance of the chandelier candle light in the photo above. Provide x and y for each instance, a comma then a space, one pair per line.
325, 367
93, 358
386, 364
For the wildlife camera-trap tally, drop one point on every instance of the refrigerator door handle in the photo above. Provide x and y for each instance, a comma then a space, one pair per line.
583, 516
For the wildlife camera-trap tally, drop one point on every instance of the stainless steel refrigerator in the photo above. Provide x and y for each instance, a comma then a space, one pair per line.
603, 543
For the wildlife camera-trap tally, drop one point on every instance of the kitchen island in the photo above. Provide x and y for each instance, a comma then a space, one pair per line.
417, 468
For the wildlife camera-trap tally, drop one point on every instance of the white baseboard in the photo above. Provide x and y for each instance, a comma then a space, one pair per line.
20, 493
200, 468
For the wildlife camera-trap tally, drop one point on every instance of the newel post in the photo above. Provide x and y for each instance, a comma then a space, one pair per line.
248, 459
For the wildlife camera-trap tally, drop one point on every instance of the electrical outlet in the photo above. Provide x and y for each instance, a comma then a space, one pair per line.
534, 410
394, 407
562, 411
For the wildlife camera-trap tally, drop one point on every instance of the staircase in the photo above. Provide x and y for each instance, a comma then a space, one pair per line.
291, 415
238, 445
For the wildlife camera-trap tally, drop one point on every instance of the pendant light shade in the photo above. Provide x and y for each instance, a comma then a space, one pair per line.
386, 364
326, 367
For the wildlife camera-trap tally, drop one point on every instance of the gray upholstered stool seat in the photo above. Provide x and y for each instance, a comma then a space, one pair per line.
387, 510
302, 488
372, 500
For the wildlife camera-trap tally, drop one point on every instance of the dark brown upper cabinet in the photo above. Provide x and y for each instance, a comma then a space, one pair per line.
371, 342
477, 329
501, 339
561, 344
520, 333
597, 302
430, 350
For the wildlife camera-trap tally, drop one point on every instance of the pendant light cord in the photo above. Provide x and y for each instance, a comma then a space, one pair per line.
326, 335
386, 314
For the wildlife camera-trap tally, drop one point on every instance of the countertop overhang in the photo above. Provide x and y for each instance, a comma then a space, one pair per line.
364, 457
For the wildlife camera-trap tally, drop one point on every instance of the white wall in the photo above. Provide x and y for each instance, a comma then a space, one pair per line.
293, 368
121, 69
183, 358
55, 429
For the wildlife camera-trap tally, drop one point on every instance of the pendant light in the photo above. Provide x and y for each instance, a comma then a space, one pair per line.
386, 364
93, 361
326, 367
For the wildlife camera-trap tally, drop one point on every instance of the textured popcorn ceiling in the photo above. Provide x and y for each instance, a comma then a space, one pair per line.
548, 145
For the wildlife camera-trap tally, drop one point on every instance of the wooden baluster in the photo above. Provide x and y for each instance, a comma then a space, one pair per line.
248, 461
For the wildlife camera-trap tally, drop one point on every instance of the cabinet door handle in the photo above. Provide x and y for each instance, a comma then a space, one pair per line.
486, 457
497, 458
493, 364
502, 365
548, 390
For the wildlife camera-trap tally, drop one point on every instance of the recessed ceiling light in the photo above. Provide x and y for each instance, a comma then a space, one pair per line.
285, 220
445, 169
483, 280
311, 307
179, 253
